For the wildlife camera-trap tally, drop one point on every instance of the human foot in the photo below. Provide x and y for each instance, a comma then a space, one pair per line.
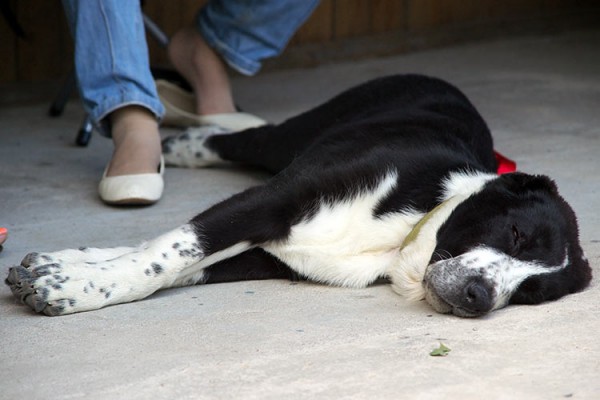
204, 70
132, 177
137, 142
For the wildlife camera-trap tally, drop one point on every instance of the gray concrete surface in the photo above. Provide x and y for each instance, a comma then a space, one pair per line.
276, 340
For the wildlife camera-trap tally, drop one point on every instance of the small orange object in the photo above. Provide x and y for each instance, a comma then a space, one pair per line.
3, 235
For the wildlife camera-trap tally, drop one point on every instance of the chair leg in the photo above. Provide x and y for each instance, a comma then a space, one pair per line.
85, 132
60, 101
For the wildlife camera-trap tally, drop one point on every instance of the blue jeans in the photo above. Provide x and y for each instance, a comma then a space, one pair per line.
111, 55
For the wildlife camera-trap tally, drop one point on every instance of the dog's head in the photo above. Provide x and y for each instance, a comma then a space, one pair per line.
515, 241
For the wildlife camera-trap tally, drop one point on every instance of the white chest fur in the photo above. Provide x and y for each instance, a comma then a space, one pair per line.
344, 243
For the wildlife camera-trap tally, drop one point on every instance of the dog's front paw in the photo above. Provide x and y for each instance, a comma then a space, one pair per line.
189, 150
71, 281
42, 285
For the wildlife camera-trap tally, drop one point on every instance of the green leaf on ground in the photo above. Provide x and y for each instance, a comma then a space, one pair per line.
441, 351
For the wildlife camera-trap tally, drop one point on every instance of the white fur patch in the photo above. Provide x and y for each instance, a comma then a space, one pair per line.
84, 254
188, 149
343, 243
465, 183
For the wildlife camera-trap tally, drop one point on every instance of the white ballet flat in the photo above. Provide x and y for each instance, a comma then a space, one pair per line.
180, 111
136, 189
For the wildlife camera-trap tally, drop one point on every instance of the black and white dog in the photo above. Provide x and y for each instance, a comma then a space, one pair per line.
391, 179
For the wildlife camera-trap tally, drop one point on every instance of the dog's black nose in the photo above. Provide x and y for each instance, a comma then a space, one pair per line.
477, 297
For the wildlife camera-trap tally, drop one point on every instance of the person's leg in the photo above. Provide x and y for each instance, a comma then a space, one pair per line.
137, 141
246, 32
117, 88
204, 70
238, 33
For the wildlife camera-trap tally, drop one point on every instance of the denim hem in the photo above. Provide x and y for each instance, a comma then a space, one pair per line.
99, 113
245, 33
243, 65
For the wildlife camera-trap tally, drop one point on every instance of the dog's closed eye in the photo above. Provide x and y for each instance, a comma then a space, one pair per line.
516, 234
518, 238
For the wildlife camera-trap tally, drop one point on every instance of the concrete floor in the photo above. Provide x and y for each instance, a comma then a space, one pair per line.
277, 340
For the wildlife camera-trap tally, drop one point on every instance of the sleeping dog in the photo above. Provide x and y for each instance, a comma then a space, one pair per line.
395, 178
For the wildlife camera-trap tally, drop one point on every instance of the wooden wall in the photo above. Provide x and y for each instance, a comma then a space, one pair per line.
339, 29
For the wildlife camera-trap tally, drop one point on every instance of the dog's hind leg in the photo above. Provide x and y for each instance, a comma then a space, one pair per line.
269, 147
188, 149
252, 265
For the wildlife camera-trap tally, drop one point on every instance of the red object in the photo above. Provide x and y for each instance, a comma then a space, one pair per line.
505, 165
3, 235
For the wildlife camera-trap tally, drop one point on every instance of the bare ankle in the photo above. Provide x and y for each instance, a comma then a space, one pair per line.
204, 70
130, 116
137, 141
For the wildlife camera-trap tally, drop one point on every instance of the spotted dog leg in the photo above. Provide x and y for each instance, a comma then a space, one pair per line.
79, 280
82, 254
188, 149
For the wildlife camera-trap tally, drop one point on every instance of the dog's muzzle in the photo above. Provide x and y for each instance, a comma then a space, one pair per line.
452, 288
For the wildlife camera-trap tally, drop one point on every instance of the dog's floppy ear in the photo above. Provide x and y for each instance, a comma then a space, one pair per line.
520, 182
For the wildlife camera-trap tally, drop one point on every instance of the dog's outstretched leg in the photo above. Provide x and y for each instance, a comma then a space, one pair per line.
71, 281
